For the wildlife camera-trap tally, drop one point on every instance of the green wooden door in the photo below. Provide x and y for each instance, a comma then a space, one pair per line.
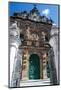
34, 67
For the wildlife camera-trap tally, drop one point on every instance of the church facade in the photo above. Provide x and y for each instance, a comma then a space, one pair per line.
34, 59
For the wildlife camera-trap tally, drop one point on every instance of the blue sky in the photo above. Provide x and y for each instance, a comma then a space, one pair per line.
44, 9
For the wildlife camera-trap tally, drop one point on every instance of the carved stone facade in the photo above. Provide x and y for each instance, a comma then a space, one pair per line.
31, 36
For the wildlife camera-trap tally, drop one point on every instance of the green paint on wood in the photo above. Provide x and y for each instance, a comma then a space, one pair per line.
34, 67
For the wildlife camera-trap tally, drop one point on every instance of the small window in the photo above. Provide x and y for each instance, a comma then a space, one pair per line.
48, 70
21, 36
46, 38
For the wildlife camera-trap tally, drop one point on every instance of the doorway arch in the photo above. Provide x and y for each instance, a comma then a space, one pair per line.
34, 67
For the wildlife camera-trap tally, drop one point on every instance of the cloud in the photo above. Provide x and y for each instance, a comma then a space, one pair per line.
46, 12
54, 24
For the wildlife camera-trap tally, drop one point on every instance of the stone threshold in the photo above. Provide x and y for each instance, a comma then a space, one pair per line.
35, 82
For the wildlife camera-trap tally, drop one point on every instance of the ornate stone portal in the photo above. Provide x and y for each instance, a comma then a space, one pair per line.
33, 33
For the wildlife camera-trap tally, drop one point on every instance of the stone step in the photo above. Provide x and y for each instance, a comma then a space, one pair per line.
35, 82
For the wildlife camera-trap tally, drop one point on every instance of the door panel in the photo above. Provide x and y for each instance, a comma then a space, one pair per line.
34, 67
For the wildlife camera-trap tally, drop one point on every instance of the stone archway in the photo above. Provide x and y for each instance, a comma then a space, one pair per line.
34, 67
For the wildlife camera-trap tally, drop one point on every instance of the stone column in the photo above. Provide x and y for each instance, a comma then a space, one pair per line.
16, 74
51, 62
44, 65
15, 56
54, 42
25, 64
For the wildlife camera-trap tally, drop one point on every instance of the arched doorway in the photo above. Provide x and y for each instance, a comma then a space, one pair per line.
34, 67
